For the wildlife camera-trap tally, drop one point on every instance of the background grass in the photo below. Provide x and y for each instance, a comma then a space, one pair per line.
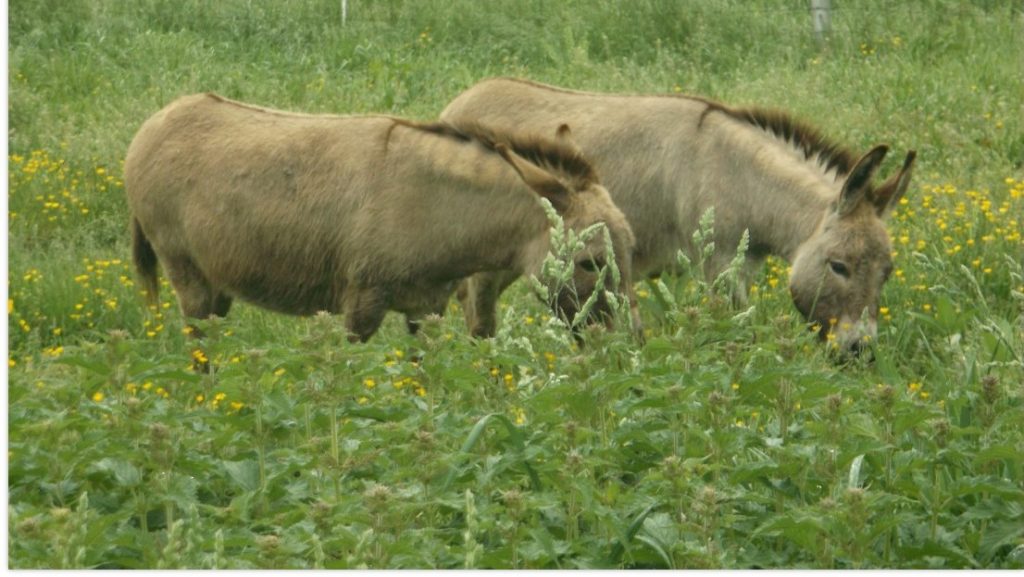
725, 442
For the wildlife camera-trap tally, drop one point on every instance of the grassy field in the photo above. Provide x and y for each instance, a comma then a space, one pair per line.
725, 442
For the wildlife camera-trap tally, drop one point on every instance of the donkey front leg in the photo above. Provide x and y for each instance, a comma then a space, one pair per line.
364, 310
479, 297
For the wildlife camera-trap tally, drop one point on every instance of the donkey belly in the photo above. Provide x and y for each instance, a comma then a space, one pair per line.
291, 272
419, 299
298, 296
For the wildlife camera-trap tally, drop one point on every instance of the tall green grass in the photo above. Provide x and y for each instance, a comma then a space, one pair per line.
728, 440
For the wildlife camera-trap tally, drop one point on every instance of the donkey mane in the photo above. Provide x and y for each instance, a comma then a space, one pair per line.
815, 146
550, 153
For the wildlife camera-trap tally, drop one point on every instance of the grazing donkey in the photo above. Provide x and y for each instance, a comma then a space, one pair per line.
360, 214
668, 159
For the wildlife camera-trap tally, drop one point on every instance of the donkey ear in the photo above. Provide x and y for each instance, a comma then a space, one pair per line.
858, 181
541, 181
563, 134
888, 195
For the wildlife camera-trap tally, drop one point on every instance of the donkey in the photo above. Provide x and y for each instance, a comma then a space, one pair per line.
354, 214
668, 159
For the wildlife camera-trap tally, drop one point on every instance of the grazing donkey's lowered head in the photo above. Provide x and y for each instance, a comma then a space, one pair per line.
558, 170
581, 203
838, 272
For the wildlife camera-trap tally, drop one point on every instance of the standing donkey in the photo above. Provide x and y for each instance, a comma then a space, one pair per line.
361, 215
668, 159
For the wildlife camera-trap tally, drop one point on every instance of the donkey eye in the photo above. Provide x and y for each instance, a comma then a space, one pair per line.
591, 265
839, 268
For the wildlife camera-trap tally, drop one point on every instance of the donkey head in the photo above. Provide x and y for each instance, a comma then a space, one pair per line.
838, 273
581, 201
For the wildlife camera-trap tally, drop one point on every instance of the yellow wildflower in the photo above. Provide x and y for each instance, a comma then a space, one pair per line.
520, 415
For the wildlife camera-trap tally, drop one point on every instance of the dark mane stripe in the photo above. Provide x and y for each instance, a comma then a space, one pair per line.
546, 152
815, 146
439, 128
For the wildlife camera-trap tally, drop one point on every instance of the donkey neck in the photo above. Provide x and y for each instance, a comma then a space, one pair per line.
778, 194
483, 217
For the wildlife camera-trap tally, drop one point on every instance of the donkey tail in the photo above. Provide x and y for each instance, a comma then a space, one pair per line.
145, 263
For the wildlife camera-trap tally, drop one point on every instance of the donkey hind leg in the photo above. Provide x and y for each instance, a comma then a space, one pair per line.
479, 295
364, 310
198, 299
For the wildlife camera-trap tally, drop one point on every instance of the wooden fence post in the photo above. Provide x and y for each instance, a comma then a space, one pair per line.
821, 14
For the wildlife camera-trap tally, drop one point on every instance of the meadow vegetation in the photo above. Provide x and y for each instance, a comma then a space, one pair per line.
730, 440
